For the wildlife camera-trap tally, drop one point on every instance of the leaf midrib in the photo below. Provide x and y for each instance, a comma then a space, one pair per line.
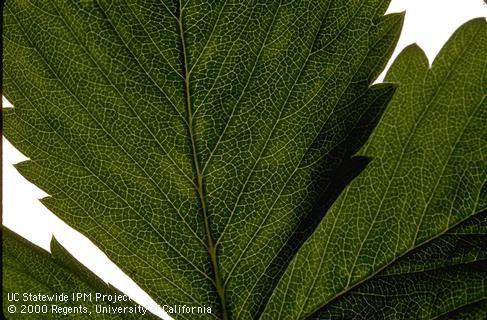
200, 188
200, 173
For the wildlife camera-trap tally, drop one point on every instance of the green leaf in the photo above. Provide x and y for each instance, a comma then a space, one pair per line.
28, 269
190, 140
427, 174
445, 274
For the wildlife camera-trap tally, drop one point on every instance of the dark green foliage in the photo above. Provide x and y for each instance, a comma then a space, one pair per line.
199, 144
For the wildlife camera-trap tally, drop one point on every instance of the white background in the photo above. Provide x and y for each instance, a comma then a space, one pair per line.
428, 22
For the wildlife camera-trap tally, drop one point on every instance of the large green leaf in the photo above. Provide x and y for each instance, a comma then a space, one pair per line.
29, 270
190, 140
427, 174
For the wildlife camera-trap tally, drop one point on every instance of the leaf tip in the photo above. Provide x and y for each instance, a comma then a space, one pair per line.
398, 16
22, 166
412, 57
54, 245
48, 203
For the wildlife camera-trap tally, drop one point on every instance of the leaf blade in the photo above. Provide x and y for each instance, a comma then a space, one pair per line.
437, 280
100, 108
31, 270
348, 256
